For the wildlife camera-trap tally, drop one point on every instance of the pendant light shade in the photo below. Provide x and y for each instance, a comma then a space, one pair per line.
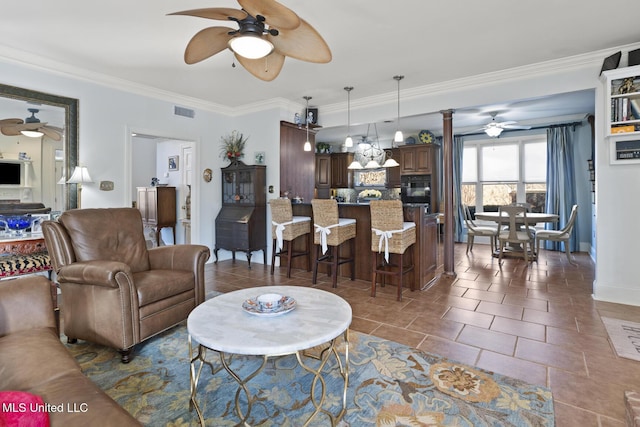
348, 142
307, 144
398, 137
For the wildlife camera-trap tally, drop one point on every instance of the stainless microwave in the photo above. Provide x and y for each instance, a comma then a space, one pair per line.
415, 188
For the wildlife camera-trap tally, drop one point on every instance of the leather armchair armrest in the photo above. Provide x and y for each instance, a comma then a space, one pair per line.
25, 303
97, 273
178, 257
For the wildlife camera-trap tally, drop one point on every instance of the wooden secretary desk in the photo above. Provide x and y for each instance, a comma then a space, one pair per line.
241, 224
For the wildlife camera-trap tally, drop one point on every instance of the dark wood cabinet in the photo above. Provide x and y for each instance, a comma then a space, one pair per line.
341, 176
323, 176
416, 159
157, 205
297, 166
393, 174
242, 221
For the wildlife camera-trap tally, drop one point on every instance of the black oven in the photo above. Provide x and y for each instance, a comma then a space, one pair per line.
415, 189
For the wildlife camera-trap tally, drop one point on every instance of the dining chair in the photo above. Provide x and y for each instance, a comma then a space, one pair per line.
474, 230
562, 235
518, 234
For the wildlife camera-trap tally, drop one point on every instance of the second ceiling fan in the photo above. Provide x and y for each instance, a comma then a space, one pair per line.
495, 128
274, 30
31, 127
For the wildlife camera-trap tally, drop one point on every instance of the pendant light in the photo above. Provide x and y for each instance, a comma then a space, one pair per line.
349, 141
398, 136
307, 144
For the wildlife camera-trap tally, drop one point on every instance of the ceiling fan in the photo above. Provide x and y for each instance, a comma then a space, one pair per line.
267, 33
494, 128
31, 127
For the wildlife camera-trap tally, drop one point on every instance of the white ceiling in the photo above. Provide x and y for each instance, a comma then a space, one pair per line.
371, 41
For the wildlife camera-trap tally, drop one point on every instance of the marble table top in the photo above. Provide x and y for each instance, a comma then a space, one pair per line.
222, 324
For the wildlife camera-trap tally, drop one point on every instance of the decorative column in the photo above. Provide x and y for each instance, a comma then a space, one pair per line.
447, 190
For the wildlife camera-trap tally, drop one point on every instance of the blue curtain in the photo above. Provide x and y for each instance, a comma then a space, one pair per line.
458, 214
561, 186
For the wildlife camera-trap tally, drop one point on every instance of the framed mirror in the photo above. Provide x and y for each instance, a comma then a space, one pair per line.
68, 107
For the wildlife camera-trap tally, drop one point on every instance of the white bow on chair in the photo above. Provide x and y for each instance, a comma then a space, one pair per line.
279, 229
324, 231
384, 237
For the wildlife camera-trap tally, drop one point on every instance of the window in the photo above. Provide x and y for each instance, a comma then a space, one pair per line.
504, 171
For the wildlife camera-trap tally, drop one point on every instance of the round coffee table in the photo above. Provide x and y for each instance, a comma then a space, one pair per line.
222, 325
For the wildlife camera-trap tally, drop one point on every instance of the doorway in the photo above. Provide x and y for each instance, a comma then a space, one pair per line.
170, 161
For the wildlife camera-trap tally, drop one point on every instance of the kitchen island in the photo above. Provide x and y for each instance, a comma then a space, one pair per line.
425, 251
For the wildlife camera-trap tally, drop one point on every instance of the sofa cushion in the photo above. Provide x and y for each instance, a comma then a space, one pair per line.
156, 285
41, 350
114, 234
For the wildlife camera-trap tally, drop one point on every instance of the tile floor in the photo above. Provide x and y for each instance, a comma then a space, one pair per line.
539, 324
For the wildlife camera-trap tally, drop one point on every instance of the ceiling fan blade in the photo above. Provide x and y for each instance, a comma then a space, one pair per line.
473, 131
303, 43
276, 15
5, 122
266, 68
50, 133
219, 13
10, 130
207, 43
516, 127
507, 123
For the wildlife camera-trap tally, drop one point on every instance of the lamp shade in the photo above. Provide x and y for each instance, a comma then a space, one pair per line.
348, 142
307, 146
390, 163
398, 137
355, 165
250, 46
80, 176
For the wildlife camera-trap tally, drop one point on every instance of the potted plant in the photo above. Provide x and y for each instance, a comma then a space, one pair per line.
323, 147
232, 146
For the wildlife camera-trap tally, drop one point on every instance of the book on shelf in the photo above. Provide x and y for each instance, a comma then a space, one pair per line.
623, 129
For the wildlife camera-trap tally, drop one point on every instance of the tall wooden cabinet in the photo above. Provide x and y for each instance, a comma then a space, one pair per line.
157, 206
297, 166
341, 176
323, 176
242, 221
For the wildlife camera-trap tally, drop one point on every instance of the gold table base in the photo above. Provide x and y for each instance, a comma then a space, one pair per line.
198, 360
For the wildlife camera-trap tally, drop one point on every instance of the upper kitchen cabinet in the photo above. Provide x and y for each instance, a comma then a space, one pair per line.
417, 159
323, 176
341, 176
296, 165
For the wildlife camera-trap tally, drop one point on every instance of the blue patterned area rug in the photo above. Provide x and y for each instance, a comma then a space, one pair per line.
389, 385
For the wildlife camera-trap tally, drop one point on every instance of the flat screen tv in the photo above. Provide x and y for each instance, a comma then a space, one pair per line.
9, 173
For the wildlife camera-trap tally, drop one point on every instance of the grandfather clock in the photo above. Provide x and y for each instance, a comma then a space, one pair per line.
241, 224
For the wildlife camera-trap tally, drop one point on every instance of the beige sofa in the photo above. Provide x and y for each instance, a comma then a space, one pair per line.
34, 360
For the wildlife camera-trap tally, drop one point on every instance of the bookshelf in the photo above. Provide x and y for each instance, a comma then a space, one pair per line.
622, 114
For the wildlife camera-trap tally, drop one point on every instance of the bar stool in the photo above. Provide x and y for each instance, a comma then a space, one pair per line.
389, 230
286, 228
330, 232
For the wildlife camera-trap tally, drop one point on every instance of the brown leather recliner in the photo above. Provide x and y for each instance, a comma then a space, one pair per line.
115, 291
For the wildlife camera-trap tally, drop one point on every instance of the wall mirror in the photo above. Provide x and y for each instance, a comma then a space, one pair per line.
50, 160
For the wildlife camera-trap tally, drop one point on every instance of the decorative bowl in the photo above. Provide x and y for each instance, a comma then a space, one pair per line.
17, 223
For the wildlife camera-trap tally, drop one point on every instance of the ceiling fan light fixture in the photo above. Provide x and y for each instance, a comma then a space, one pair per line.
32, 133
251, 46
493, 131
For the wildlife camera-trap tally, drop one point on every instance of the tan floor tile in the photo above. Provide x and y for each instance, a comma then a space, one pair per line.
455, 351
400, 335
434, 325
519, 328
495, 297
570, 416
551, 355
513, 367
487, 339
469, 317
511, 311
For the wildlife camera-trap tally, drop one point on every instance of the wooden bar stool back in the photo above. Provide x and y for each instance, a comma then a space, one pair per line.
286, 228
390, 234
330, 232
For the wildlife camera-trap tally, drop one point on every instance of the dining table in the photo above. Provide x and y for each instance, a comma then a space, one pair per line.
533, 218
